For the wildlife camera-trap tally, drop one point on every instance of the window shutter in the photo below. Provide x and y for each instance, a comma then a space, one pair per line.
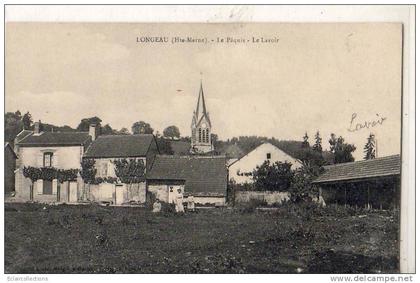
55, 160
40, 159
54, 186
39, 186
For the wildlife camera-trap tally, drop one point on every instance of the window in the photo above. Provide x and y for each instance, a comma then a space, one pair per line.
48, 159
104, 170
207, 135
199, 135
268, 155
47, 187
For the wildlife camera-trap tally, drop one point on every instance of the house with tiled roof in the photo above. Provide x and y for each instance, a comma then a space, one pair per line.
51, 151
366, 183
104, 151
202, 177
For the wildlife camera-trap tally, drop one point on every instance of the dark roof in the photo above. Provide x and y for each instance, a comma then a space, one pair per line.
23, 134
55, 139
202, 175
120, 146
180, 147
378, 167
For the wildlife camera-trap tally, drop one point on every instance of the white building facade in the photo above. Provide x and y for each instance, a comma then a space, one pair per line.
241, 170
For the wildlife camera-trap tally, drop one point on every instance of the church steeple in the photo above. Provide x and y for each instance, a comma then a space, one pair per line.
201, 104
201, 126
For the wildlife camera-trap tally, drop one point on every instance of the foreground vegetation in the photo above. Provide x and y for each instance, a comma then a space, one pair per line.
294, 238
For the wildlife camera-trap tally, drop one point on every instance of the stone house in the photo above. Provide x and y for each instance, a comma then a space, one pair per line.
54, 150
104, 151
241, 169
202, 177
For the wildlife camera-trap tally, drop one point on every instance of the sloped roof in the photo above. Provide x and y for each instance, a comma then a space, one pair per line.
202, 175
180, 147
232, 151
120, 146
378, 167
55, 139
264, 143
23, 134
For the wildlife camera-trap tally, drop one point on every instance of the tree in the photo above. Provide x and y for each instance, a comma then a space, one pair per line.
301, 185
27, 121
305, 143
318, 143
342, 151
171, 132
12, 125
370, 147
123, 131
273, 176
107, 130
332, 141
141, 127
86, 122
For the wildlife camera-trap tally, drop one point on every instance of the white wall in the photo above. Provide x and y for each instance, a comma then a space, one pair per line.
257, 157
64, 157
268, 196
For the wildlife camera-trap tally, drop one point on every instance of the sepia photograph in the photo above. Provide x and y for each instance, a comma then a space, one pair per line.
205, 147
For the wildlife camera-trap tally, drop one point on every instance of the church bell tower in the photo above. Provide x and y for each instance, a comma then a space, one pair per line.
201, 127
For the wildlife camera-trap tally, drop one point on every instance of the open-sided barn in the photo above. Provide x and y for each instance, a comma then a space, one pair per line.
371, 183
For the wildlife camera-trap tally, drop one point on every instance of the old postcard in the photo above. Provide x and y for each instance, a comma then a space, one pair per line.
203, 147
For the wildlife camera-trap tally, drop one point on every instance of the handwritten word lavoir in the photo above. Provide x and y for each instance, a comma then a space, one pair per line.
355, 126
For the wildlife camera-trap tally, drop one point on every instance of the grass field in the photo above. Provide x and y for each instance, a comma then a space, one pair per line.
95, 239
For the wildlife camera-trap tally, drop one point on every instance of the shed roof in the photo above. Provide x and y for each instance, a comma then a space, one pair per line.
54, 139
120, 146
203, 175
364, 169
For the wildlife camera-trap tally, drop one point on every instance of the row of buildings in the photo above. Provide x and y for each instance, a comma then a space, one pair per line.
192, 171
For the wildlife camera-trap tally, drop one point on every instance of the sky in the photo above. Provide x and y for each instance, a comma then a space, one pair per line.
309, 77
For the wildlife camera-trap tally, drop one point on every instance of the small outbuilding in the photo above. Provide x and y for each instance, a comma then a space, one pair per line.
202, 177
373, 183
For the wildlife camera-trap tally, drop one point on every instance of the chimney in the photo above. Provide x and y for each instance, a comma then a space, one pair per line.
37, 127
93, 131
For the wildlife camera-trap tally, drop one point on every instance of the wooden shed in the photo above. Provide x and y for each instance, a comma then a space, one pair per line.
373, 183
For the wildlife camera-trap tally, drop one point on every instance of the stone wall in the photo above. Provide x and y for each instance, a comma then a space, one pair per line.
268, 196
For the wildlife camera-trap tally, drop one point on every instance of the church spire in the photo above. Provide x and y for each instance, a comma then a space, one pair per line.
201, 105
201, 127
